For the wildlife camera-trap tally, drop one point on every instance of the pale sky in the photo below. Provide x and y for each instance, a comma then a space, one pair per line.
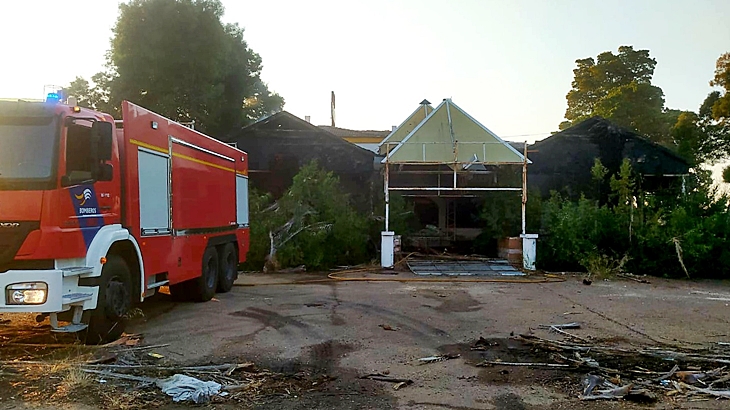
508, 63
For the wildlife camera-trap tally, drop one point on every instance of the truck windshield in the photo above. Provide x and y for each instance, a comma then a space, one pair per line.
26, 148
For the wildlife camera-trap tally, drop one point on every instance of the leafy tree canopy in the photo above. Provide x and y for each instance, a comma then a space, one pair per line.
177, 58
618, 87
720, 108
705, 136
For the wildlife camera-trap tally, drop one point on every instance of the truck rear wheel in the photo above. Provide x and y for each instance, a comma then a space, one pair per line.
203, 288
227, 267
107, 321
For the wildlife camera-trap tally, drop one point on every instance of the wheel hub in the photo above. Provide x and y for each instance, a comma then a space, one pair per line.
117, 298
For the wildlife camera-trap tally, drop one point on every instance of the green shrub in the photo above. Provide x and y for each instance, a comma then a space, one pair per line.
501, 214
313, 224
603, 266
644, 233
573, 231
260, 222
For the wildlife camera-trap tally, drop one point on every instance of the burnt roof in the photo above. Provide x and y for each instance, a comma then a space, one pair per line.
563, 161
599, 138
345, 133
286, 137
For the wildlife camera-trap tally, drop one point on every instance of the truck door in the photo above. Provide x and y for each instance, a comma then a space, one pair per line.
94, 194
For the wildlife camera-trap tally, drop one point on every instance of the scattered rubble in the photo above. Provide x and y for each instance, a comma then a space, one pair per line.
399, 383
572, 325
125, 371
608, 366
483, 344
440, 358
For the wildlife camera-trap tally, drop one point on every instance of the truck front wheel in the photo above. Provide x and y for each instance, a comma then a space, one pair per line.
107, 321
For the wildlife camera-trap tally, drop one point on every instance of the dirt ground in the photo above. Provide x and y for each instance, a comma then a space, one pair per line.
330, 333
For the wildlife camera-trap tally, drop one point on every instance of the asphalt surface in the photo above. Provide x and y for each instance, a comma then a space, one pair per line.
339, 328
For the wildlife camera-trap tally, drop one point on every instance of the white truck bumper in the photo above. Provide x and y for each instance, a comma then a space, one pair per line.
62, 291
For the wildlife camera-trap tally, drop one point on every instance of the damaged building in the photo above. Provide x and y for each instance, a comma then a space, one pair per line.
563, 161
279, 145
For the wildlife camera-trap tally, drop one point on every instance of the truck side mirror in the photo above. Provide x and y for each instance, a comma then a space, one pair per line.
102, 135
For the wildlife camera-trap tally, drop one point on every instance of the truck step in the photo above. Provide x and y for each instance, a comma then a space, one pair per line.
72, 298
157, 284
70, 328
77, 271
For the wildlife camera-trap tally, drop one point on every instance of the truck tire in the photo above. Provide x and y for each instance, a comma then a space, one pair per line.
203, 287
227, 267
107, 321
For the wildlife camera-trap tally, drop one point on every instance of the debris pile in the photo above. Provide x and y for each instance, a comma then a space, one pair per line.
636, 374
135, 373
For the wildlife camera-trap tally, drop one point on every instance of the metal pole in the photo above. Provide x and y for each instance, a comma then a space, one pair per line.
456, 153
387, 194
524, 188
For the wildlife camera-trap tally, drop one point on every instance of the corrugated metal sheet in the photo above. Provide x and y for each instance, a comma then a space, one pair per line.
463, 268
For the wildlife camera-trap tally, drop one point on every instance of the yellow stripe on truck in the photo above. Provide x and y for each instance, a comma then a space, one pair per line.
182, 156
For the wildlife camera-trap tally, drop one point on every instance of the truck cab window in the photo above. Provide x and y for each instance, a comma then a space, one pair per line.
79, 164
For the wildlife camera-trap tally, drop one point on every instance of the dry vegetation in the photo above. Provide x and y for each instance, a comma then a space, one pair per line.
37, 366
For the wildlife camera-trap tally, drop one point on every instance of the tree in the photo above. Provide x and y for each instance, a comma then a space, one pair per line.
698, 137
177, 58
705, 137
93, 96
618, 87
721, 102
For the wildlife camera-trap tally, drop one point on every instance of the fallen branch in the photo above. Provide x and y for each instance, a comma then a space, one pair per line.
717, 393
720, 380
229, 368
434, 359
121, 376
50, 345
678, 249
562, 332
495, 363
572, 325
402, 384
667, 375
383, 378
632, 277
131, 349
613, 394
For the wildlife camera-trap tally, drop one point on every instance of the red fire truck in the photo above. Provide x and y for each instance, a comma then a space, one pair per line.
95, 215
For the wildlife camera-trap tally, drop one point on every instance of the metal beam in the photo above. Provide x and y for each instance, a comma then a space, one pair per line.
448, 189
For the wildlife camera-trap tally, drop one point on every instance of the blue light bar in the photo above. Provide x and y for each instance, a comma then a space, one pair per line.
53, 97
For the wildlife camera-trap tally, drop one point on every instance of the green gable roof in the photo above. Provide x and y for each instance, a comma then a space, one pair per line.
450, 135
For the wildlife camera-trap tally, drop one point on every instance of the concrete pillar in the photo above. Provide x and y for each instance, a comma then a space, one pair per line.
387, 251
529, 250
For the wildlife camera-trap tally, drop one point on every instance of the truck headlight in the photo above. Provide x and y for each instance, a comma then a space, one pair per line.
32, 293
